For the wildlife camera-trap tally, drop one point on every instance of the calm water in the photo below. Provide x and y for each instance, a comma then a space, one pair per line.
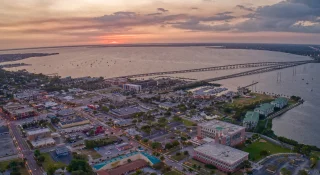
301, 123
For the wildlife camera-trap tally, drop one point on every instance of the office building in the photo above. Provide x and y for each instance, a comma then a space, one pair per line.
251, 119
222, 132
265, 109
132, 87
280, 102
225, 158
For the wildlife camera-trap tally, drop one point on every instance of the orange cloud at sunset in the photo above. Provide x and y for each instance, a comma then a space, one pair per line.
32, 23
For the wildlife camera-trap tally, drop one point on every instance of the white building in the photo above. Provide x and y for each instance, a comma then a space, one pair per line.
132, 87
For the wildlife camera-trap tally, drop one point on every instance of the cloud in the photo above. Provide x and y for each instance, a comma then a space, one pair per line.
162, 10
242, 7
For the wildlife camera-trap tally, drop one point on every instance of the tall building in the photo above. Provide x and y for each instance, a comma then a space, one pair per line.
222, 132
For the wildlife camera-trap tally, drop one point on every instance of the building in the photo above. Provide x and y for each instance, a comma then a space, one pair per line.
132, 87
280, 102
117, 81
251, 119
40, 138
223, 157
265, 109
168, 105
124, 146
18, 111
126, 112
66, 112
28, 95
222, 132
62, 151
126, 168
72, 121
38, 134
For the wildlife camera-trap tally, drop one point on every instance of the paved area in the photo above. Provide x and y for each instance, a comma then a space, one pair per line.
7, 146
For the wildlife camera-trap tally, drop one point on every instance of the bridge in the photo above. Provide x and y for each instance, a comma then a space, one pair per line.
215, 68
258, 71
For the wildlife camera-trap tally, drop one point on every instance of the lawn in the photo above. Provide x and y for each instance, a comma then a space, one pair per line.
188, 122
248, 101
4, 164
94, 154
49, 161
179, 158
172, 173
203, 169
255, 148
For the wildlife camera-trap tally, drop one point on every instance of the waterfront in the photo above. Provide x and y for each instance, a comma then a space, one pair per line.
300, 124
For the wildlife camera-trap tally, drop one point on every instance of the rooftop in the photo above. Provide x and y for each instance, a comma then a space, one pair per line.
281, 100
65, 112
217, 125
125, 168
126, 111
39, 131
223, 153
265, 106
251, 117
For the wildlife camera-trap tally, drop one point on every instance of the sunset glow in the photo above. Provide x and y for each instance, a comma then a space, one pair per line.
76, 22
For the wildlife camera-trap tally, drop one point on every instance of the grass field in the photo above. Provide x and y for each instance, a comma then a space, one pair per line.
248, 101
255, 148
49, 161
4, 164
178, 158
187, 122
94, 154
172, 173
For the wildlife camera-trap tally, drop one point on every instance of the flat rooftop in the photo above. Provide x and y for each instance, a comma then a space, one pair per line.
126, 111
225, 127
223, 153
39, 131
132, 166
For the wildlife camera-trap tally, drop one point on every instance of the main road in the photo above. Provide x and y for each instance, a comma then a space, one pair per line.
25, 151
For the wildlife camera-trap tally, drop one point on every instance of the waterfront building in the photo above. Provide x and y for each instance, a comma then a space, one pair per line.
132, 87
280, 102
225, 158
265, 109
222, 132
251, 119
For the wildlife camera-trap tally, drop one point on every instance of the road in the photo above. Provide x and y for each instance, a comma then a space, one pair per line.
25, 151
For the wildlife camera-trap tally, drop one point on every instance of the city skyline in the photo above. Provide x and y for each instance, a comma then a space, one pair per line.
35, 23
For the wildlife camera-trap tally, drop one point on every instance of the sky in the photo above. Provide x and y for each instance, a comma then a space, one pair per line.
41, 23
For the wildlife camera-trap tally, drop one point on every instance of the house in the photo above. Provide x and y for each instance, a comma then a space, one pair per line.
280, 102
168, 105
251, 119
265, 109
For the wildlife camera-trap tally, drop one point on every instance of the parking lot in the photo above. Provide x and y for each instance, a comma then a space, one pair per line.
275, 164
7, 146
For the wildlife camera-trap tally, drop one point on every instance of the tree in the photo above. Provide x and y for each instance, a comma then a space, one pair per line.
303, 172
129, 160
178, 154
162, 158
186, 153
264, 153
51, 169
37, 153
41, 158
156, 145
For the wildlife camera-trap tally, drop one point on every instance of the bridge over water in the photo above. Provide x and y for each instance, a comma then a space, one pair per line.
226, 67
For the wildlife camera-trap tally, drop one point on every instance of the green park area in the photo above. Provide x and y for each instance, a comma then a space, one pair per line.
256, 98
188, 122
262, 148
48, 161
94, 154
13, 165
173, 173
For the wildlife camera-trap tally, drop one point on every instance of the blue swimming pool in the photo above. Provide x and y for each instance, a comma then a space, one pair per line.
153, 159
